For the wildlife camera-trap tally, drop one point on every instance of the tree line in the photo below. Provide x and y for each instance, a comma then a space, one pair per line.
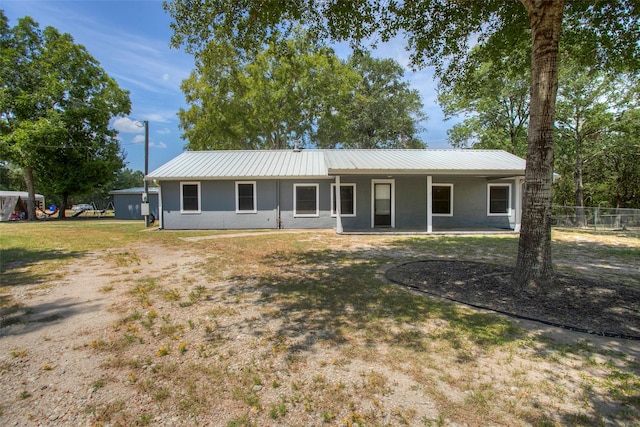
597, 156
294, 89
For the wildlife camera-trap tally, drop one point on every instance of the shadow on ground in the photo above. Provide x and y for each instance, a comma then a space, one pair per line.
330, 296
14, 265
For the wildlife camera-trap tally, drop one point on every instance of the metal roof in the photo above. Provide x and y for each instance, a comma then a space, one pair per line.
135, 190
485, 162
21, 194
231, 164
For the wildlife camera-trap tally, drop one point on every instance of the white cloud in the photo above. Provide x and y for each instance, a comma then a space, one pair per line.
126, 125
157, 144
138, 139
163, 117
163, 131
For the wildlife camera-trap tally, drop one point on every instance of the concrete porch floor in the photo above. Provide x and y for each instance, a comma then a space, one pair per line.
422, 231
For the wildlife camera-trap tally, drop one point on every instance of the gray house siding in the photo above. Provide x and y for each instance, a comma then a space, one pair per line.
411, 202
218, 204
287, 217
218, 208
470, 204
363, 203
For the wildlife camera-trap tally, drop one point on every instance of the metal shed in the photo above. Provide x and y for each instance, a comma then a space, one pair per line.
126, 202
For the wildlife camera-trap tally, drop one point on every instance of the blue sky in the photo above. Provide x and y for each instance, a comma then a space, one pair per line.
130, 39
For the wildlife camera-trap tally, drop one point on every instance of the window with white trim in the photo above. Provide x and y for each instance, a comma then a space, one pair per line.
347, 200
190, 197
306, 200
246, 197
442, 199
498, 199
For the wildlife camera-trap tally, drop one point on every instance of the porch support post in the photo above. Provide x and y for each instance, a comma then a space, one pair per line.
518, 204
339, 229
429, 204
160, 212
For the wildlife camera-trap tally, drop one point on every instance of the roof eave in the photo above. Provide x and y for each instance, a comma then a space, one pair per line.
481, 172
230, 178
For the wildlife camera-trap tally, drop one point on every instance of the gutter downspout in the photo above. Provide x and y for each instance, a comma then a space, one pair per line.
339, 228
160, 211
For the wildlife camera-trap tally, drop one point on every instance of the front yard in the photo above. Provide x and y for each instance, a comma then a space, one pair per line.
106, 324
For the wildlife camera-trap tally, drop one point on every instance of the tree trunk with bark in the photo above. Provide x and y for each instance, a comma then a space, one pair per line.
62, 213
534, 270
31, 189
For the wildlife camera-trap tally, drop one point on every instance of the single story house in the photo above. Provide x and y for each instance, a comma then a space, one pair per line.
427, 190
126, 202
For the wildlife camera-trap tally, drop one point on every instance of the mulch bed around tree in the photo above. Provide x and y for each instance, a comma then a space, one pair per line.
589, 306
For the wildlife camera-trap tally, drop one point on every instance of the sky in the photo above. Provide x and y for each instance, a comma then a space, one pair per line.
130, 40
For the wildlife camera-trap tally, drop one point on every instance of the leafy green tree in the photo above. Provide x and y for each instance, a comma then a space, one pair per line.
265, 99
128, 178
493, 97
382, 111
55, 106
124, 178
297, 90
586, 103
439, 33
613, 173
11, 177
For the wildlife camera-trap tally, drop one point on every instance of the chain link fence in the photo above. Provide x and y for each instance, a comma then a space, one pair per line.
596, 218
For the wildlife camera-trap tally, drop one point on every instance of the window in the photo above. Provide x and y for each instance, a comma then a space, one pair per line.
305, 200
246, 197
347, 200
190, 197
499, 199
442, 199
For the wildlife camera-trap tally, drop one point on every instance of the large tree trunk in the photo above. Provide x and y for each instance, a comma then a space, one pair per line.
534, 270
62, 213
31, 189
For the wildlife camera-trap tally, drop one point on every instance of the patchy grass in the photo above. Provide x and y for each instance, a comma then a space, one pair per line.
299, 329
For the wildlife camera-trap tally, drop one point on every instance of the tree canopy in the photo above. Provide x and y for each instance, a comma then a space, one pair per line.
294, 89
493, 97
380, 110
55, 106
264, 99
441, 33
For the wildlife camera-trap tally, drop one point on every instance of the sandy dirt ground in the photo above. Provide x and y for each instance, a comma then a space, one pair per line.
53, 373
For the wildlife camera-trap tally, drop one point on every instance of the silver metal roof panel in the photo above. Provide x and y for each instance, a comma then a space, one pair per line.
423, 161
135, 190
232, 164
325, 163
